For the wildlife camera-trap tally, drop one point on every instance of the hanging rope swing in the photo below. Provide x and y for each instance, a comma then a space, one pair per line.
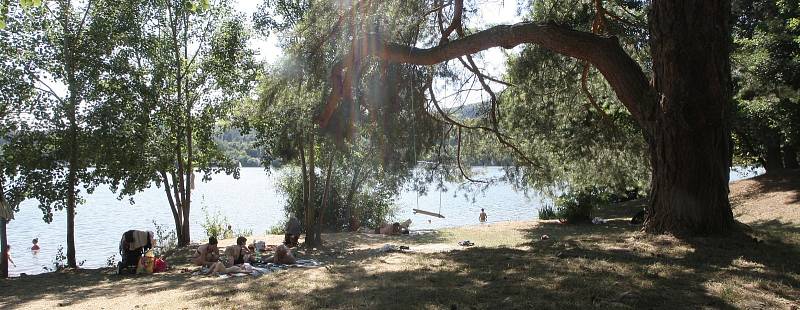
417, 210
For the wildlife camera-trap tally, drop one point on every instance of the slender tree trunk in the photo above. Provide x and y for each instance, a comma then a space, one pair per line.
772, 156
72, 130
3, 236
325, 202
790, 157
304, 182
351, 192
691, 147
189, 148
182, 128
172, 206
312, 180
3, 245
178, 207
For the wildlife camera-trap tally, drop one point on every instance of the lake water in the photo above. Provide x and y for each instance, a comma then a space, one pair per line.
251, 202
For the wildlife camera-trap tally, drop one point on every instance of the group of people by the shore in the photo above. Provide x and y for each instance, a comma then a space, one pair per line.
237, 256
135, 245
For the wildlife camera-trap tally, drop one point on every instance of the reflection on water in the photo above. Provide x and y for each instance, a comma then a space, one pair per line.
249, 203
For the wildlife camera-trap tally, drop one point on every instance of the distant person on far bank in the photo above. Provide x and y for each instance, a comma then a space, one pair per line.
482, 217
35, 248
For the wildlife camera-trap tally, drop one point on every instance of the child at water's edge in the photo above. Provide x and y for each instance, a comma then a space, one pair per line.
482, 217
7, 255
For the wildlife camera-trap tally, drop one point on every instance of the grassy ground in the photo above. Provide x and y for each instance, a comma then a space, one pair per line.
584, 266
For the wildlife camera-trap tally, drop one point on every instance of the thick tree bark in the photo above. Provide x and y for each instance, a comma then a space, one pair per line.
691, 147
684, 115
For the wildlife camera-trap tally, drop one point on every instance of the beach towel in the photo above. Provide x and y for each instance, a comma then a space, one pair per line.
137, 239
260, 269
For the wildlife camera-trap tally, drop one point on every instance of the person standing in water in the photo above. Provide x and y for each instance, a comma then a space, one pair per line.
482, 217
35, 248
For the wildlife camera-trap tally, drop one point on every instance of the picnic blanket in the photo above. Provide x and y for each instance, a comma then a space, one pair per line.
260, 269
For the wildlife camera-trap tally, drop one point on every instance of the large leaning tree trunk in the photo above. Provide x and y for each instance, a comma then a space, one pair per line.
691, 147
684, 114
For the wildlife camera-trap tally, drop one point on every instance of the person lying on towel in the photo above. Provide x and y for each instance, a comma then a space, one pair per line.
389, 229
282, 256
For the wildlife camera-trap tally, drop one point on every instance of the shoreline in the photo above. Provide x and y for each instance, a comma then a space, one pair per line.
277, 239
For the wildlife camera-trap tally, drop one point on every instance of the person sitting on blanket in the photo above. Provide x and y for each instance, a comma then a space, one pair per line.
206, 254
237, 255
282, 256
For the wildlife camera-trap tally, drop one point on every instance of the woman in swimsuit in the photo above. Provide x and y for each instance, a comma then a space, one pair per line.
237, 255
206, 254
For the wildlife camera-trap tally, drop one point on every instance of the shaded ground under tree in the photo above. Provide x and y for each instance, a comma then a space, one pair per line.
609, 266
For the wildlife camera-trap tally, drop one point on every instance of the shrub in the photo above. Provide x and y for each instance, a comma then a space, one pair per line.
277, 229
370, 205
547, 212
58, 261
216, 225
243, 232
576, 206
166, 239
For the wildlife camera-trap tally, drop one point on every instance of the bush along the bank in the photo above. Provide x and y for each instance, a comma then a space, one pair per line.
577, 206
547, 212
366, 206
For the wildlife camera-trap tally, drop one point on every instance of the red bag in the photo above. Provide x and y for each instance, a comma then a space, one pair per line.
160, 265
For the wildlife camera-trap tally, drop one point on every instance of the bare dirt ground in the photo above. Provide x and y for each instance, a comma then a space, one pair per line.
612, 266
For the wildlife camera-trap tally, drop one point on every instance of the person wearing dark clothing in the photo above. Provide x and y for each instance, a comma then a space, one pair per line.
292, 237
639, 217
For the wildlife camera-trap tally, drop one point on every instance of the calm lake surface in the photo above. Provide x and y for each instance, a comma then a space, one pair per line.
251, 202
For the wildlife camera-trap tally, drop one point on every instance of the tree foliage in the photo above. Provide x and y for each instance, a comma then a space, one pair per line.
188, 63
767, 75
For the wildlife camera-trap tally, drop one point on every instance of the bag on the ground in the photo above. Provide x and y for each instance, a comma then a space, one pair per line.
160, 265
146, 263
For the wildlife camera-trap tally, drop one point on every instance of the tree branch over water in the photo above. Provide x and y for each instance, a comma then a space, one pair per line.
622, 72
